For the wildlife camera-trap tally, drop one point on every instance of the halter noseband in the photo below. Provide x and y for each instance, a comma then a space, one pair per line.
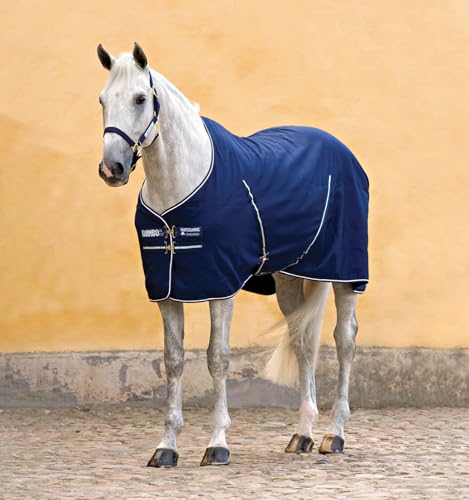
135, 146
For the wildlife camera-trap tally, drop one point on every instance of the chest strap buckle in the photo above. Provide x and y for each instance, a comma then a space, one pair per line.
170, 232
169, 248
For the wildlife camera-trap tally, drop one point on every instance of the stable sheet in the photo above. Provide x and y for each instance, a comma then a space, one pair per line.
286, 199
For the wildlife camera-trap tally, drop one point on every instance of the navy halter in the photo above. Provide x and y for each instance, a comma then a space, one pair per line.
136, 145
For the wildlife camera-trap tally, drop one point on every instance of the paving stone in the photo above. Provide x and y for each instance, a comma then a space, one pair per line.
102, 453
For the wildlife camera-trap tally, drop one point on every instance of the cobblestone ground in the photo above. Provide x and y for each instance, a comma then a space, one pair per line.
101, 453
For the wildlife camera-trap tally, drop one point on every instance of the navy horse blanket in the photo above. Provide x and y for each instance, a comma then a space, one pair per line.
287, 199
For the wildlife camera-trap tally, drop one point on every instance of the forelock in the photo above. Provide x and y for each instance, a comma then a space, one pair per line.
123, 68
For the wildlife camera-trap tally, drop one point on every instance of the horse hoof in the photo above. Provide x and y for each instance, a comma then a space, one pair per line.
332, 444
216, 456
299, 444
164, 457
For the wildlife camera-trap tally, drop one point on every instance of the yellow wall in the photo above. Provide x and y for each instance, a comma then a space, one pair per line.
389, 78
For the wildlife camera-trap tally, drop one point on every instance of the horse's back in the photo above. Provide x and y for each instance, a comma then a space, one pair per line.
288, 151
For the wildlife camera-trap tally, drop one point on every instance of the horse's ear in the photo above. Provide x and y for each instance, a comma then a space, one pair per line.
139, 56
106, 59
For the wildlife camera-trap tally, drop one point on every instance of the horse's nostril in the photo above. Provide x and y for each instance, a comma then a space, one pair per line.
118, 169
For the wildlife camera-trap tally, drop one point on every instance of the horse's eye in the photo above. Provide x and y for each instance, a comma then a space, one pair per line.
100, 100
140, 99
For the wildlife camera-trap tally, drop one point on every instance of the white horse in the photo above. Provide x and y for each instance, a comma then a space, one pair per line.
176, 153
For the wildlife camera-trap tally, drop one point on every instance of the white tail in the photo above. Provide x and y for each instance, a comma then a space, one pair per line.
304, 328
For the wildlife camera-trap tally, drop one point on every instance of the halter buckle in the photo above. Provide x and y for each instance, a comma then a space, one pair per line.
136, 147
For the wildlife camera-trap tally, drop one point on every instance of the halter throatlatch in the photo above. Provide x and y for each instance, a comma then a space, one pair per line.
136, 146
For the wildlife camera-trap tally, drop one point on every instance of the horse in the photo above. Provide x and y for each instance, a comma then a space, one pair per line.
190, 255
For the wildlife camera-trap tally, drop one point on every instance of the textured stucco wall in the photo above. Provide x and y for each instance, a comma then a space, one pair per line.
388, 78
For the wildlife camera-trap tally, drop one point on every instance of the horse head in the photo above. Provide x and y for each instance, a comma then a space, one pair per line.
130, 112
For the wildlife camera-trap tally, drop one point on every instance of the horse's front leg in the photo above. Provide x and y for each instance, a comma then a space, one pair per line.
166, 454
217, 452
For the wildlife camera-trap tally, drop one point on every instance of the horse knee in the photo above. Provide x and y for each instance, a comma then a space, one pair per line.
218, 360
174, 364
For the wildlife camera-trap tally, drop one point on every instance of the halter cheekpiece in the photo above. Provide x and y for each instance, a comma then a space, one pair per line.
135, 146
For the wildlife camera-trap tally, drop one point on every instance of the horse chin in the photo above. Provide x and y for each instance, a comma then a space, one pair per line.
112, 182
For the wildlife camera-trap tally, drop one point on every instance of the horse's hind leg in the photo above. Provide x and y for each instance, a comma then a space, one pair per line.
166, 454
344, 335
217, 452
304, 339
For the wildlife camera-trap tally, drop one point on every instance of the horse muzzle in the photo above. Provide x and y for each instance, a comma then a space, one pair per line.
114, 175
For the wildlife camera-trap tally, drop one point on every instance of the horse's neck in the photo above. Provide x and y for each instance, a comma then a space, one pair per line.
179, 159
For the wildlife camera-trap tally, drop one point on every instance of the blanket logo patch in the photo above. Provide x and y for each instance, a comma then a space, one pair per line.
151, 233
189, 232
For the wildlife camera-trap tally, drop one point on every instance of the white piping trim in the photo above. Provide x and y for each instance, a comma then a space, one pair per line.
190, 195
239, 289
330, 280
187, 247
261, 225
184, 247
319, 228
205, 300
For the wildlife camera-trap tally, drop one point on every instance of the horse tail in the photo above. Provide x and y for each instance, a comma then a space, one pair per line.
303, 333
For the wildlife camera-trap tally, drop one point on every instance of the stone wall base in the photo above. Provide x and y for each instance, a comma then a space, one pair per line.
381, 377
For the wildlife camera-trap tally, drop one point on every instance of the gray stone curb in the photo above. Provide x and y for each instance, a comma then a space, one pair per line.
381, 377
